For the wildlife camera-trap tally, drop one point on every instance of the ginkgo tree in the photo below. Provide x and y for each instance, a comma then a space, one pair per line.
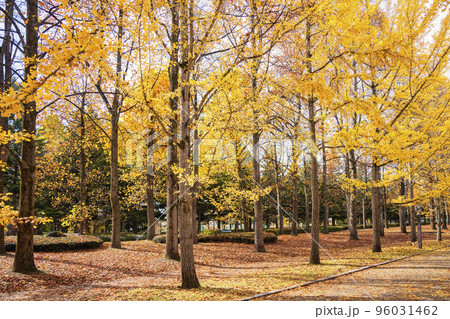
398, 75
45, 59
206, 91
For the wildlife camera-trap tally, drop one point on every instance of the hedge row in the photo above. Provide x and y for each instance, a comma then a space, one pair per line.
246, 238
69, 242
123, 237
331, 229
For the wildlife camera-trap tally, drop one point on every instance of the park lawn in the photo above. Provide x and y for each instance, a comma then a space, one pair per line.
242, 286
227, 271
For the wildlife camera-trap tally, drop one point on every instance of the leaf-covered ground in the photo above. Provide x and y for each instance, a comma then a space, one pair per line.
423, 277
227, 271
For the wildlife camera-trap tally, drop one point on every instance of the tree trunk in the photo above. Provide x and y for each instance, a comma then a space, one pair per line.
438, 220
243, 204
444, 215
432, 215
364, 217
314, 257
150, 193
315, 229
259, 234
115, 115
172, 201
83, 192
305, 189
380, 199
2, 241
364, 200
385, 211
279, 213
324, 185
352, 213
294, 230
295, 175
376, 208
419, 232
196, 159
277, 185
412, 213
5, 84
188, 273
258, 222
402, 212
24, 259
114, 188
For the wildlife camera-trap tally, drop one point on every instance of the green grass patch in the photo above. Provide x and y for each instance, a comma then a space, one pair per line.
69, 242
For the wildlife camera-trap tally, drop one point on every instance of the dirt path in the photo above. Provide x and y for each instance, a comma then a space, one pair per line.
424, 277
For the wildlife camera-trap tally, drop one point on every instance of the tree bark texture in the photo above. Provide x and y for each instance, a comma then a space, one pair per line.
195, 157
438, 220
376, 208
324, 186
150, 195
5, 84
305, 190
314, 257
412, 213
402, 212
240, 170
24, 257
278, 190
352, 197
83, 161
115, 115
188, 272
258, 222
444, 214
172, 183
259, 234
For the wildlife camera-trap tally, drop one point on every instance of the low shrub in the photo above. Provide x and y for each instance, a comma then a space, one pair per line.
332, 229
286, 230
211, 232
369, 226
123, 237
160, 239
55, 234
272, 230
69, 242
246, 238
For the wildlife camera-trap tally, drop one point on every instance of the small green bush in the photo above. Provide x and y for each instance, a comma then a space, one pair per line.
211, 232
286, 230
272, 230
123, 237
159, 239
332, 229
55, 234
246, 238
369, 226
51, 244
